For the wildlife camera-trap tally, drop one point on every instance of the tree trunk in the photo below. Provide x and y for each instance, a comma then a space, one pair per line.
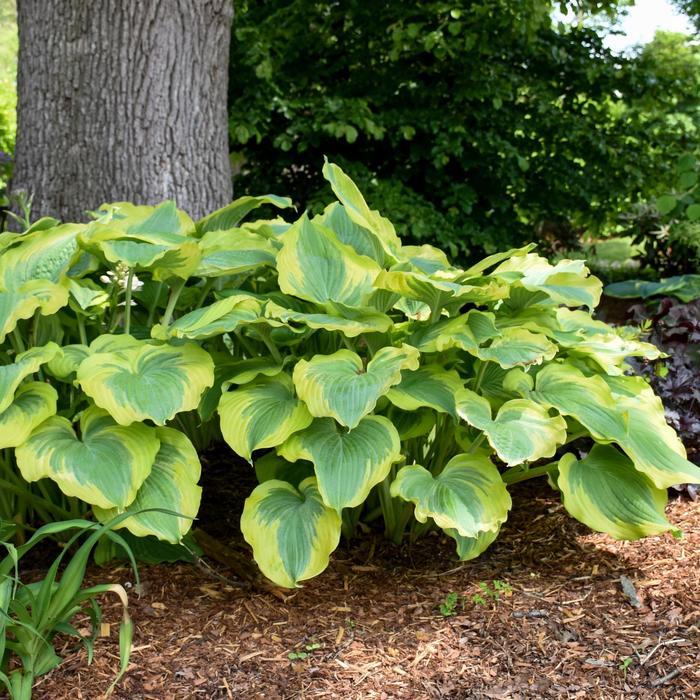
123, 100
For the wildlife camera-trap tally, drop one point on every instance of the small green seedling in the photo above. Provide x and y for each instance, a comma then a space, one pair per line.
492, 592
625, 664
448, 607
301, 655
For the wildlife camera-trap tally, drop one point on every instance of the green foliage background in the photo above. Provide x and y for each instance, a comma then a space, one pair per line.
8, 69
478, 124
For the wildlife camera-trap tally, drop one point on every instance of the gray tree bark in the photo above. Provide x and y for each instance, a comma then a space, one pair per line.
122, 100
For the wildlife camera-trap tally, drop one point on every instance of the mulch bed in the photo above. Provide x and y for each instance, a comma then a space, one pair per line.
370, 626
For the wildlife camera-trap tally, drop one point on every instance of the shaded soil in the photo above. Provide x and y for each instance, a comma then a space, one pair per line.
370, 626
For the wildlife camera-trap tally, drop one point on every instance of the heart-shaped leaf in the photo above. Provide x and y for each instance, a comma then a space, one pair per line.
636, 423
223, 316
468, 495
608, 494
431, 385
291, 531
523, 431
16, 304
356, 208
261, 413
350, 321
339, 273
339, 386
105, 466
232, 214
171, 485
40, 255
466, 332
517, 347
469, 548
335, 217
139, 380
232, 252
25, 363
348, 464
33, 403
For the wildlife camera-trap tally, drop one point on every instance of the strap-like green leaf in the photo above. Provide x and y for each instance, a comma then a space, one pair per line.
314, 265
105, 466
523, 431
608, 494
171, 485
262, 413
291, 531
339, 386
138, 380
348, 463
468, 496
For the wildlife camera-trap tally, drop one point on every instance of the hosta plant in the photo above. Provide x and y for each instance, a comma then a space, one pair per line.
361, 378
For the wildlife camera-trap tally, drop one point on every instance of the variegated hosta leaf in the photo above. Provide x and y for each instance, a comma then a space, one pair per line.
466, 332
33, 403
143, 237
609, 351
431, 385
314, 265
348, 463
105, 466
468, 496
43, 254
233, 251
523, 431
426, 258
356, 207
65, 365
412, 424
261, 413
608, 494
349, 320
23, 301
291, 531
221, 317
636, 423
567, 282
469, 548
87, 294
339, 386
516, 347
232, 214
171, 485
228, 371
272, 466
335, 217
479, 268
139, 380
437, 289
25, 363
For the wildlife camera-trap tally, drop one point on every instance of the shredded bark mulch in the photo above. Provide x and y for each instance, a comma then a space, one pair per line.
585, 617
